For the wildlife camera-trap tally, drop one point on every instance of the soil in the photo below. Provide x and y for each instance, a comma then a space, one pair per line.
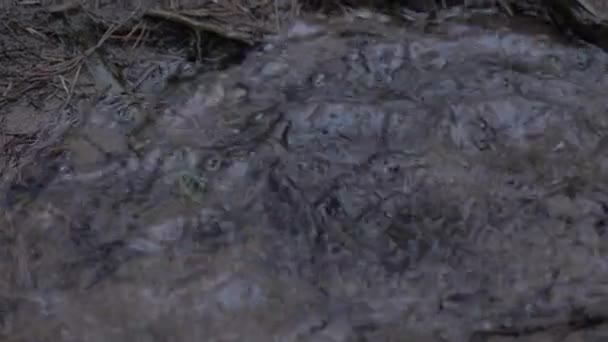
357, 178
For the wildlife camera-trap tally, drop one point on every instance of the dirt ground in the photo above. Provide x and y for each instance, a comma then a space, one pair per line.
352, 177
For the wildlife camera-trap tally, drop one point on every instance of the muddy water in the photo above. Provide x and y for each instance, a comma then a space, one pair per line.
357, 181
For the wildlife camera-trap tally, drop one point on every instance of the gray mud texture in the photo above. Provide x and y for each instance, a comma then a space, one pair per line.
352, 180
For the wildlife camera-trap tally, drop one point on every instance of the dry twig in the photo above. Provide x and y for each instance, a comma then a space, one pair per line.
198, 26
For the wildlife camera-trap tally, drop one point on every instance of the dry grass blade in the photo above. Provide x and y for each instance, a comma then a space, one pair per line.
64, 7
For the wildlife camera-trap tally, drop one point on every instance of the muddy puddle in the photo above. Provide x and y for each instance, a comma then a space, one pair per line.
359, 180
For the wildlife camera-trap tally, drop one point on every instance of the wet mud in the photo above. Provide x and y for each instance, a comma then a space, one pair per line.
354, 180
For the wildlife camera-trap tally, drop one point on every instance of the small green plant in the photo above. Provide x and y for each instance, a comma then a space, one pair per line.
191, 185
